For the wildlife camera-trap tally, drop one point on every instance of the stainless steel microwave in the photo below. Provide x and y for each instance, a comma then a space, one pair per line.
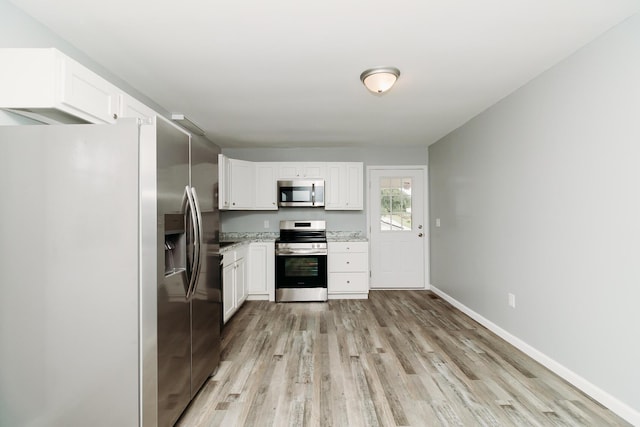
301, 193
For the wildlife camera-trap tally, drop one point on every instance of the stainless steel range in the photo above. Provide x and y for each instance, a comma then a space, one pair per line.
301, 261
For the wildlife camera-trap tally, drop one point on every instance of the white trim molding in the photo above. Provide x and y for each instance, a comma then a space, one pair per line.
615, 405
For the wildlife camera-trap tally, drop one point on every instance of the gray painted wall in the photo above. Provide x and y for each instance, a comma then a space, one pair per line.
540, 196
336, 220
370, 156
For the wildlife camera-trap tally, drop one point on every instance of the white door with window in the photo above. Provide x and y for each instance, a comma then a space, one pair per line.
397, 224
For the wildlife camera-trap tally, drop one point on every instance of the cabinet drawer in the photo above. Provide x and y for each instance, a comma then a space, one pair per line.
347, 262
348, 283
348, 246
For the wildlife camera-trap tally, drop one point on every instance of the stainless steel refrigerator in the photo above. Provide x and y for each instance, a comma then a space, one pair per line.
110, 291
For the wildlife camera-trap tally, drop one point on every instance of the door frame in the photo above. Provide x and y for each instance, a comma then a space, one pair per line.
427, 228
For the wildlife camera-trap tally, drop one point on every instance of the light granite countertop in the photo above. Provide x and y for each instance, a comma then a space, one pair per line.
345, 236
235, 239
229, 241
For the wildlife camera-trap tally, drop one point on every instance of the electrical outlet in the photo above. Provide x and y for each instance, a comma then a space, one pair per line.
512, 301
266, 223
437, 222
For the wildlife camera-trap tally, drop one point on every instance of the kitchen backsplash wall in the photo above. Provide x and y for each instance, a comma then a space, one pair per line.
254, 221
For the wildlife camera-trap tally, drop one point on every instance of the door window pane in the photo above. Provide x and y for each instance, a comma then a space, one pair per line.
395, 204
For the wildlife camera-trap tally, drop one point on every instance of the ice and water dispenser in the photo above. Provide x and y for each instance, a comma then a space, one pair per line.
175, 242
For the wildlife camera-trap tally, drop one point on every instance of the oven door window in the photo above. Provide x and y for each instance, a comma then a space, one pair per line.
301, 266
301, 271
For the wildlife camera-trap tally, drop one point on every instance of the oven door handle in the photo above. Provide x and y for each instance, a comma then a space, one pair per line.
301, 252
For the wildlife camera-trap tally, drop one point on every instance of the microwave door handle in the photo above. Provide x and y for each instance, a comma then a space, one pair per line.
313, 194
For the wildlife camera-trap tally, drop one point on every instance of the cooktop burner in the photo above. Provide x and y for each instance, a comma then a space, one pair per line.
302, 231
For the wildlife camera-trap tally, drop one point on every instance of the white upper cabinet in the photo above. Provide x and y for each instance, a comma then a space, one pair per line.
128, 106
53, 86
248, 185
265, 189
245, 185
242, 184
87, 93
344, 186
224, 182
303, 170
50, 87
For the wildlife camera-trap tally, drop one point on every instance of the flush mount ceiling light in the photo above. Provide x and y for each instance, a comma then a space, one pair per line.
380, 79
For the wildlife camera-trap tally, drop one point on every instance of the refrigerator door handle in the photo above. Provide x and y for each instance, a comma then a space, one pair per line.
198, 243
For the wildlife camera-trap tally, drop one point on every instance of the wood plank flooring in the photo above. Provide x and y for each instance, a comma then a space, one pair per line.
401, 358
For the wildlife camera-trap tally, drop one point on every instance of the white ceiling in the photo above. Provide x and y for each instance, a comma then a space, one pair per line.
285, 73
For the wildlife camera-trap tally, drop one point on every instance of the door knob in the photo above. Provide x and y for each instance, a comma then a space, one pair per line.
420, 234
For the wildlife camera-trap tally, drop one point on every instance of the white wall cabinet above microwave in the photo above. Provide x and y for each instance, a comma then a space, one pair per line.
293, 170
48, 86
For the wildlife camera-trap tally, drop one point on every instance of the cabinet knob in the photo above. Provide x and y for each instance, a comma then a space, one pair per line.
348, 281
348, 262
420, 235
115, 116
234, 203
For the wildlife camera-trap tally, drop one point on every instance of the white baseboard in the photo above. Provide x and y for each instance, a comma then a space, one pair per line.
620, 408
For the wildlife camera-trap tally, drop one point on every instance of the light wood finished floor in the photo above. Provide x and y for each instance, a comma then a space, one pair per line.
401, 358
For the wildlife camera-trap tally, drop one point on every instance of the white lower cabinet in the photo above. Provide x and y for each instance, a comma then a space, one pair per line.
234, 281
348, 270
261, 271
248, 272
